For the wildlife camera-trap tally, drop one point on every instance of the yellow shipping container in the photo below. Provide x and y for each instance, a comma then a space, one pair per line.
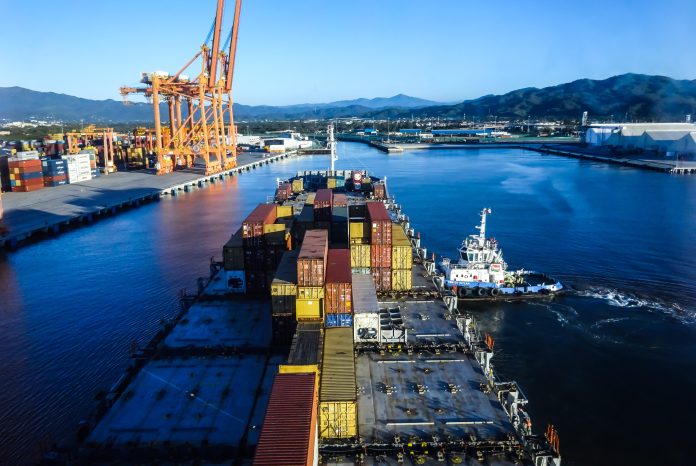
310, 198
331, 183
297, 185
273, 228
359, 255
402, 253
402, 280
284, 211
308, 309
310, 292
359, 232
338, 419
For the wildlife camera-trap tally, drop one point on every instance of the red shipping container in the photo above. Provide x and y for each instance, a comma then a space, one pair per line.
284, 191
380, 255
27, 188
252, 226
338, 298
312, 258
382, 278
322, 205
380, 223
340, 200
25, 164
52, 179
288, 433
379, 191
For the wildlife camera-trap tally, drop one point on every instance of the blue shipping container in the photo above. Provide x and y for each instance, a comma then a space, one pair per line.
339, 320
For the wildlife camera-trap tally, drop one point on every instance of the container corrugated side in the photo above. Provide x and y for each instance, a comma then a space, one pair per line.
308, 309
338, 419
359, 232
288, 433
285, 279
310, 292
338, 381
381, 255
233, 252
382, 277
297, 185
312, 258
402, 252
402, 279
380, 223
338, 297
360, 256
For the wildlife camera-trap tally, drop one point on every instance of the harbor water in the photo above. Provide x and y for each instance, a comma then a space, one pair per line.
612, 363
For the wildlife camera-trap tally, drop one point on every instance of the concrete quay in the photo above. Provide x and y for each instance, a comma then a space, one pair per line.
34, 215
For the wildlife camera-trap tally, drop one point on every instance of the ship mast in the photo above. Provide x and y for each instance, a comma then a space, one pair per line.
331, 143
482, 227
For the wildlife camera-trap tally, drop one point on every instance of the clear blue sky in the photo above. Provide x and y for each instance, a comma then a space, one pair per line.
297, 51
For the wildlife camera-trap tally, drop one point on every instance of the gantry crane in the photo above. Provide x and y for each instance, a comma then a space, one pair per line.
207, 135
90, 133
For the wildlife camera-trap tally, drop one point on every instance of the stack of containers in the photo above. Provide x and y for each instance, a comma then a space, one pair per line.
338, 301
338, 417
257, 261
380, 245
25, 172
339, 221
55, 172
283, 192
379, 191
94, 171
359, 236
366, 321
311, 266
79, 168
289, 429
322, 208
233, 263
305, 221
283, 294
402, 259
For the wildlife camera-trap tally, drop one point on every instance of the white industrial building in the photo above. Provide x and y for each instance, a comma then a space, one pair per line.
663, 138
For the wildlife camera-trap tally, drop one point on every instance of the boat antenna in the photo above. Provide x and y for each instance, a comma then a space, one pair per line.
482, 227
331, 143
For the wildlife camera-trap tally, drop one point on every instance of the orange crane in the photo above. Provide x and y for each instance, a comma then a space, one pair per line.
207, 136
88, 135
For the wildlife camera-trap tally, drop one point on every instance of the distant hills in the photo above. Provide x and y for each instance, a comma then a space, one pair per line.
631, 96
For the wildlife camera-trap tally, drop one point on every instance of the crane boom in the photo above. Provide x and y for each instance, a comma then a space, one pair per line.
229, 72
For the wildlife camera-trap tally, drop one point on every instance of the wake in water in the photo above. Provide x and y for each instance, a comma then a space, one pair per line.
624, 299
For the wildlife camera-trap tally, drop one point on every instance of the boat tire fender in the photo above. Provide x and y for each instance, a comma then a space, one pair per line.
461, 292
480, 291
495, 292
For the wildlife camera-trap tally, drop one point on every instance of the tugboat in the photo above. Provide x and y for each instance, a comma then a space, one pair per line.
481, 272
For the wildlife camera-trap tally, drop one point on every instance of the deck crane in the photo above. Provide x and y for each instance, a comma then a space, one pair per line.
207, 136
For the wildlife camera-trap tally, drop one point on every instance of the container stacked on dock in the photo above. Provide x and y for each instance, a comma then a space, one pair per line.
55, 172
25, 172
380, 245
79, 167
338, 417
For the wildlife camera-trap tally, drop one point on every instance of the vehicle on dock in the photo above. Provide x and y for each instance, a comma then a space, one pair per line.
481, 272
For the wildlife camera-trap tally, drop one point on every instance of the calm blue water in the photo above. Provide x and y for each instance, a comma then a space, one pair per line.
612, 365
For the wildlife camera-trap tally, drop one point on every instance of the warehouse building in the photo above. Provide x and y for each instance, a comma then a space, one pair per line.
662, 138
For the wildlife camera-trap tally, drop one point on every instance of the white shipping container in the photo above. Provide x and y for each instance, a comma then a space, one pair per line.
26, 155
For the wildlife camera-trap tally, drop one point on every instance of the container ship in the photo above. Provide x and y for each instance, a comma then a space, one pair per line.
481, 272
320, 338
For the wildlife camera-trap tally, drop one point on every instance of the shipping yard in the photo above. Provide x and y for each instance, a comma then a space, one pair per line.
318, 339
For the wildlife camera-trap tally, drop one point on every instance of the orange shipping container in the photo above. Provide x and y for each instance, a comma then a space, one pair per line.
380, 255
382, 277
252, 226
340, 200
380, 223
339, 290
312, 258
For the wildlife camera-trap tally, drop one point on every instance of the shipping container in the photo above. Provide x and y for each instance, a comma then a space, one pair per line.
337, 320
379, 191
285, 279
366, 322
322, 205
257, 281
382, 278
283, 192
402, 279
304, 222
308, 309
284, 211
289, 429
310, 198
340, 200
338, 299
233, 252
357, 211
402, 252
361, 271
310, 292
337, 393
274, 234
297, 185
252, 226
359, 232
283, 328
360, 256
380, 255
312, 258
381, 225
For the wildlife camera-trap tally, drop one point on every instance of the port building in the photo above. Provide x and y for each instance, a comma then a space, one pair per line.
665, 139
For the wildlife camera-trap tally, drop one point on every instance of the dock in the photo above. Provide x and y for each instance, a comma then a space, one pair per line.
34, 215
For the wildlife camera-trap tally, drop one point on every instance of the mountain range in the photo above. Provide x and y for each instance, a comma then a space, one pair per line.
628, 96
